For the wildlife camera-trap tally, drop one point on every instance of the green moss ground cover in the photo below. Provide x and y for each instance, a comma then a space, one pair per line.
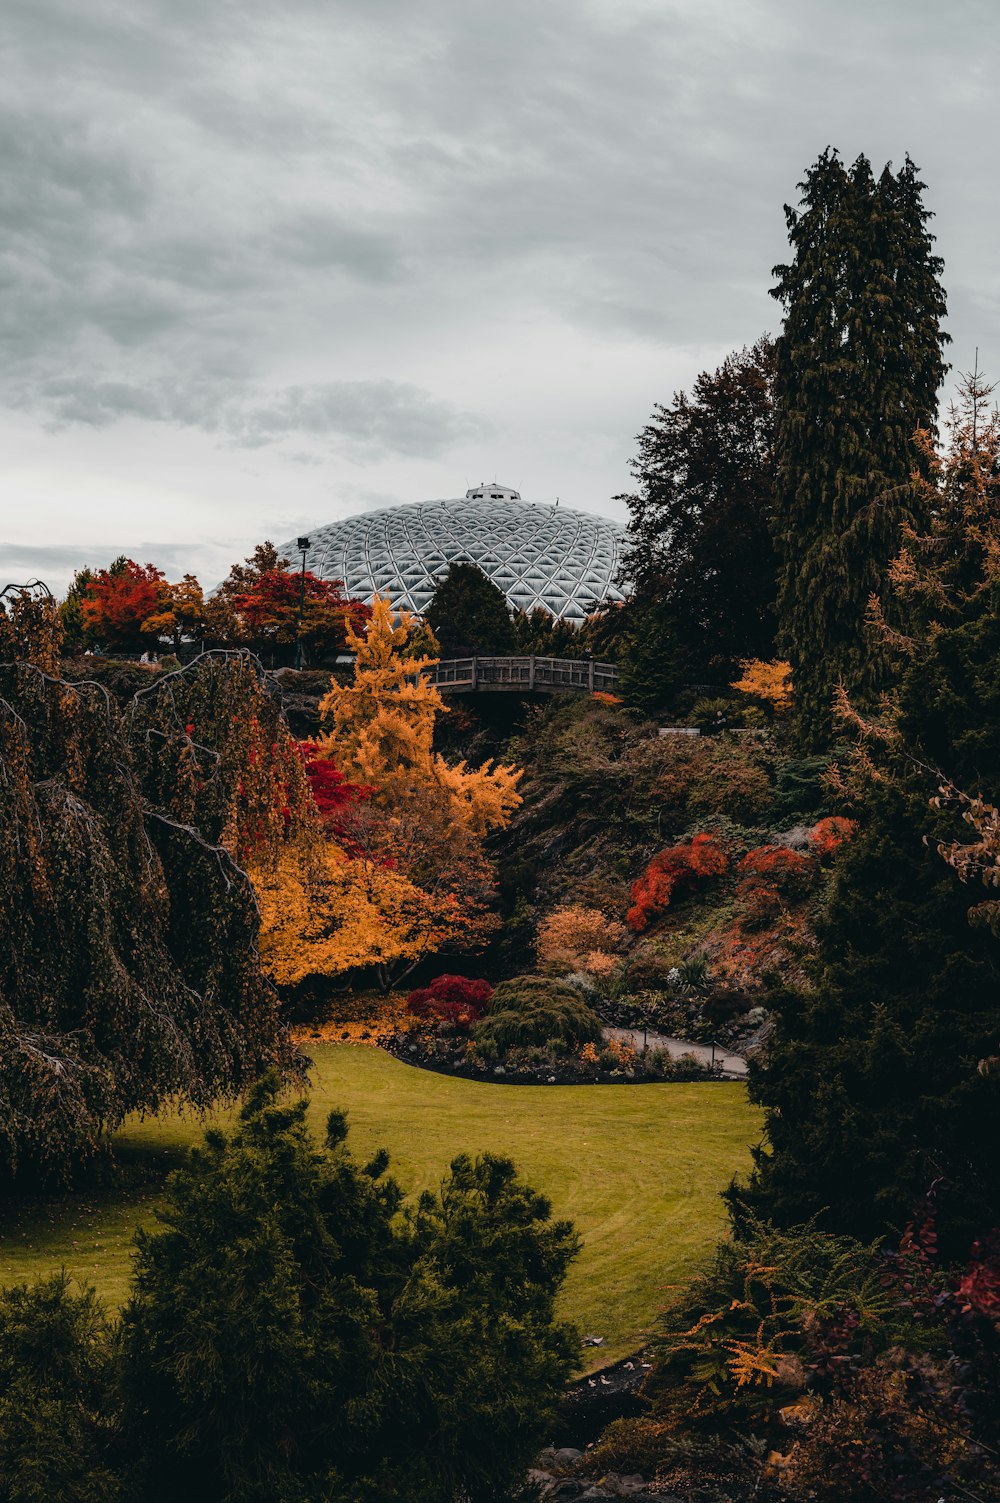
637, 1168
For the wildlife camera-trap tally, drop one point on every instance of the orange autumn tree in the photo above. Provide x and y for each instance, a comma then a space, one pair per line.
577, 938
324, 913
769, 681
406, 874
381, 729
179, 612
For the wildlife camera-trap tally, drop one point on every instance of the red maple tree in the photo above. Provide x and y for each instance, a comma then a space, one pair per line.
451, 999
118, 600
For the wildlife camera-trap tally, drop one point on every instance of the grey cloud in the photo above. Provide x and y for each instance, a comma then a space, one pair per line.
55, 564
190, 188
367, 419
317, 240
372, 417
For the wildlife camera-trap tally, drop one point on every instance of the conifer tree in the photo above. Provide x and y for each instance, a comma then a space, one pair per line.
468, 613
873, 1086
858, 366
700, 565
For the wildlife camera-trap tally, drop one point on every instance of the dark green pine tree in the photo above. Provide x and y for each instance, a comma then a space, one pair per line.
872, 1086
858, 367
468, 614
75, 633
699, 565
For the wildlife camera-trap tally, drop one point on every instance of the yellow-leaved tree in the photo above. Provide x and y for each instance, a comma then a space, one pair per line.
381, 730
403, 874
769, 681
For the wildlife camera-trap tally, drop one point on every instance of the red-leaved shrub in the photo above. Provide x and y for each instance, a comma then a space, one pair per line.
675, 871
979, 1289
829, 833
451, 999
770, 877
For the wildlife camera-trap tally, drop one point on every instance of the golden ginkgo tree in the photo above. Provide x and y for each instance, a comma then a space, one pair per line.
404, 874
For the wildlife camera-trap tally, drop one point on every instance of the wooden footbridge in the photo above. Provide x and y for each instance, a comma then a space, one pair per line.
524, 676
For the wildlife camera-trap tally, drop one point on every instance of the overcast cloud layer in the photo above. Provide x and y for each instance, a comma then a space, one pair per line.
266, 265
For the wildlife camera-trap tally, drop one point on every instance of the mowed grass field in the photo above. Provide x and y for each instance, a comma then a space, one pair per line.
637, 1168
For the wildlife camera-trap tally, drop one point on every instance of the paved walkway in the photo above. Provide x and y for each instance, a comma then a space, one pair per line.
734, 1066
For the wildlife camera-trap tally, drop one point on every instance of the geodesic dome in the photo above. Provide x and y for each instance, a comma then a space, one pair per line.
552, 556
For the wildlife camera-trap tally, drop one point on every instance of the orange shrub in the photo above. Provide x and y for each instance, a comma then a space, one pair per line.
575, 938
676, 870
769, 877
828, 834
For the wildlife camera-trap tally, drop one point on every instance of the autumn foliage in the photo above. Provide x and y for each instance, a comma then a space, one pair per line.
674, 872
398, 870
771, 682
829, 834
577, 938
451, 999
119, 600
259, 603
264, 604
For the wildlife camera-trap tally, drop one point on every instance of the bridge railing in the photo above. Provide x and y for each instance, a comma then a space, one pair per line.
528, 674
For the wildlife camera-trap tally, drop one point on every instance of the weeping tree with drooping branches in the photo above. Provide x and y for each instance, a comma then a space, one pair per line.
129, 972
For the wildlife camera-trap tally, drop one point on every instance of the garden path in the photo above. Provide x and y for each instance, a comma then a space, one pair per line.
733, 1066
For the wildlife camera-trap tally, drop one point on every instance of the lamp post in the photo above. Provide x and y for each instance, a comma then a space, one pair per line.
303, 546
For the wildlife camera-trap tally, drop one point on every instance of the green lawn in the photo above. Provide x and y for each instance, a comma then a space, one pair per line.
637, 1168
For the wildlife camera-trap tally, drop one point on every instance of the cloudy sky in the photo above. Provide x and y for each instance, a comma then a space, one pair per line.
264, 265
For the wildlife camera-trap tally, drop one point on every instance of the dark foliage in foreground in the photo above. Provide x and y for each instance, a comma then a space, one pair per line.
296, 1334
865, 1375
129, 972
873, 1085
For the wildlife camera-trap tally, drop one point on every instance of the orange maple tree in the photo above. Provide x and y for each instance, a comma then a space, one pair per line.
769, 681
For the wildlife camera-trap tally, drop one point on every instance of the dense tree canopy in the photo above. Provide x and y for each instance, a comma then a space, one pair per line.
129, 972
873, 1087
130, 608
258, 604
699, 563
468, 614
117, 601
858, 367
537, 633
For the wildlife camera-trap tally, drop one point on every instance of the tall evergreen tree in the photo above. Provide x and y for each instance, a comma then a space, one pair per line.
700, 564
858, 367
468, 613
872, 1087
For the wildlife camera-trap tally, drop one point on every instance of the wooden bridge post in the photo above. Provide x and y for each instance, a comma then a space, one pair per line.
531, 673
475, 673
590, 675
